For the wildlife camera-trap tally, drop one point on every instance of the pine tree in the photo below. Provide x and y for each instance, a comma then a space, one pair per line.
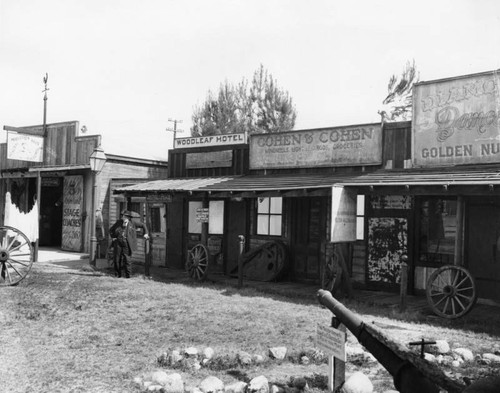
259, 107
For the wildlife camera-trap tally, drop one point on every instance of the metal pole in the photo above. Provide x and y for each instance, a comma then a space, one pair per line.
93, 238
240, 260
404, 283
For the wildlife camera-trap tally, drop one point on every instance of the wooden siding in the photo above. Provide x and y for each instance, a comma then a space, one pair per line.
62, 147
396, 144
239, 166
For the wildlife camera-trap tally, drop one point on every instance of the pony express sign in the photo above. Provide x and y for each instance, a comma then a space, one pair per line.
336, 146
456, 121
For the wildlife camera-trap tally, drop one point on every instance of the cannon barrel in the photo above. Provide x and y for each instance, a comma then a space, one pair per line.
407, 378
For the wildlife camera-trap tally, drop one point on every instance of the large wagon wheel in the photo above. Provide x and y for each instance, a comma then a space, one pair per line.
16, 256
451, 291
332, 273
197, 262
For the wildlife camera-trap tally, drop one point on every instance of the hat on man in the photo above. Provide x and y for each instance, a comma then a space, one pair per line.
126, 213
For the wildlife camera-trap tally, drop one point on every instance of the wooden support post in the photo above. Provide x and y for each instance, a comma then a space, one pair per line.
336, 367
240, 261
404, 284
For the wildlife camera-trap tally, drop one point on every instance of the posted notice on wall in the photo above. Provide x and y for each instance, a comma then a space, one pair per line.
331, 341
24, 147
343, 227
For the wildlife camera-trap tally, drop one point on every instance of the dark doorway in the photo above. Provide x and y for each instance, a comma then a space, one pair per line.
483, 246
308, 233
236, 225
51, 212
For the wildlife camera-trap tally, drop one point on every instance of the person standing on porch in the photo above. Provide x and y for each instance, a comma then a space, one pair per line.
124, 236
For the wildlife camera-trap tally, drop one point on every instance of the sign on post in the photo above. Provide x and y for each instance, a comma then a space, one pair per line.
331, 341
202, 214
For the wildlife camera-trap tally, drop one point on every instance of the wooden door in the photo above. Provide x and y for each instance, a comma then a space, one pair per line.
483, 246
236, 225
158, 226
308, 222
175, 234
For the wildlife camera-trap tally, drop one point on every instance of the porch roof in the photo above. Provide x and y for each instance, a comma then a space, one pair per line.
438, 176
240, 184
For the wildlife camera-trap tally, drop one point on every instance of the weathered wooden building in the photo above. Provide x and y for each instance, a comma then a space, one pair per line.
62, 175
425, 192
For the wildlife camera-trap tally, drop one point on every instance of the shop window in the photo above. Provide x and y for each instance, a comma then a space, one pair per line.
157, 214
215, 217
133, 207
360, 217
269, 216
437, 231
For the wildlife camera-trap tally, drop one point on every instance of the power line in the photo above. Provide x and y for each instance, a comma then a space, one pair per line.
174, 130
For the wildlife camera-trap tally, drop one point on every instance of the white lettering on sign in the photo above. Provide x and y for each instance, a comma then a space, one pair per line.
343, 225
211, 140
331, 341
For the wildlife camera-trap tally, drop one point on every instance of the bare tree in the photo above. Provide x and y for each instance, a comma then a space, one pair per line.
397, 106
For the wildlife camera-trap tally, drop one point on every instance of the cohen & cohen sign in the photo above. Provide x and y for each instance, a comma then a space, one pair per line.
335, 146
457, 121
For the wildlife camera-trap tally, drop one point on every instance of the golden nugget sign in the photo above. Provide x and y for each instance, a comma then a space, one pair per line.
336, 146
456, 121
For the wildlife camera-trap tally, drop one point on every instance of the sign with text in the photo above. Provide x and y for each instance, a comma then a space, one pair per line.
210, 140
202, 214
343, 227
72, 213
456, 121
331, 341
336, 146
24, 147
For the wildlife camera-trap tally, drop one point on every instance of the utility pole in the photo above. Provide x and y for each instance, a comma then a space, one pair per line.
45, 90
38, 174
174, 130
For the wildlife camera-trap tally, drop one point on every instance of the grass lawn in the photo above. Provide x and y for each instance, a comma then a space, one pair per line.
67, 330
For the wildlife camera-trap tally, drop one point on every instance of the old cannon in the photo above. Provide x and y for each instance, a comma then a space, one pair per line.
411, 373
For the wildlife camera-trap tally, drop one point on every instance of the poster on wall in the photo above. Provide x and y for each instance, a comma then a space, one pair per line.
343, 227
72, 213
387, 242
456, 121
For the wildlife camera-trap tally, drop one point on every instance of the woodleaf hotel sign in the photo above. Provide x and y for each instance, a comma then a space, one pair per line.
457, 121
335, 146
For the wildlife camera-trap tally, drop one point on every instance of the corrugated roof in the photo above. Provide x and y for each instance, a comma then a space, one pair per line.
184, 184
428, 177
261, 183
286, 182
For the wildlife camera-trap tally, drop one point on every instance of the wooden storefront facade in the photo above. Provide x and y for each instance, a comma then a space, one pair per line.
422, 193
66, 185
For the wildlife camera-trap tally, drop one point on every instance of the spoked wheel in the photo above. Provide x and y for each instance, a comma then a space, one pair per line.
332, 274
16, 256
451, 291
197, 262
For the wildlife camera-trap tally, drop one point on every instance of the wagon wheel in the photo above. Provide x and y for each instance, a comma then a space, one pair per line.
451, 291
197, 262
332, 274
16, 256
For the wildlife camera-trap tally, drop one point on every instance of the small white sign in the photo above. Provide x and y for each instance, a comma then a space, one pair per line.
24, 147
331, 341
343, 227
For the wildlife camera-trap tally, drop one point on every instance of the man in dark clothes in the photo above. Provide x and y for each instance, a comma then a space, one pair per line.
124, 236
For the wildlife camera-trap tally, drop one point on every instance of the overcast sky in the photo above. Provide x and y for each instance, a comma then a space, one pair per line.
122, 68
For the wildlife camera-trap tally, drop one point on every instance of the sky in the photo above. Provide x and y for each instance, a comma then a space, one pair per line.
123, 68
